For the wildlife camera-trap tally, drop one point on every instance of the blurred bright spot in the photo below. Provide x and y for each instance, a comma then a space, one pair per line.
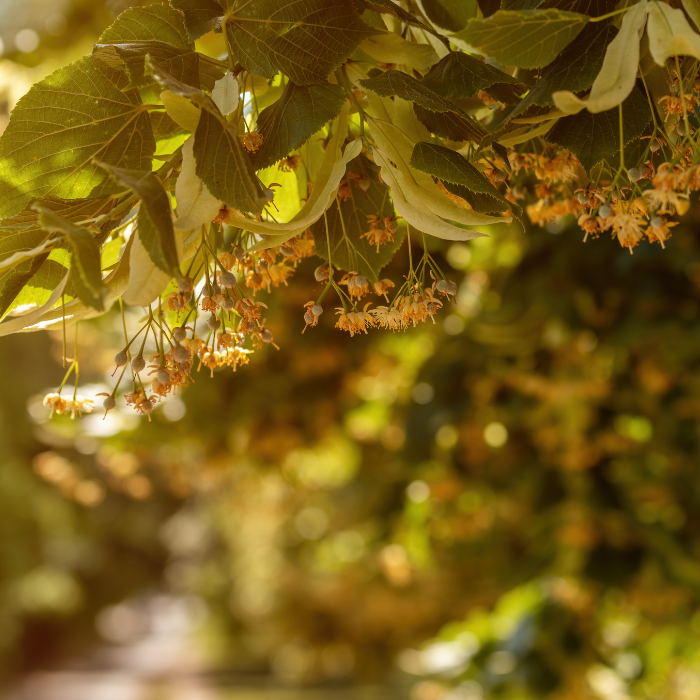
332, 463
459, 255
418, 491
495, 435
453, 324
395, 565
139, 487
2, 47
509, 253
637, 428
423, 393
605, 683
48, 589
628, 665
501, 662
348, 546
446, 437
120, 623
367, 421
393, 437
89, 493
291, 662
26, 40
174, 409
56, 24
311, 523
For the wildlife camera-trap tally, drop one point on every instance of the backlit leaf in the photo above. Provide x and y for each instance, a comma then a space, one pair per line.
389, 47
525, 38
388, 6
156, 30
299, 113
201, 16
304, 39
65, 121
670, 34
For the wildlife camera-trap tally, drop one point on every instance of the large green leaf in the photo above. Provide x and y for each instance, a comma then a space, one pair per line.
304, 39
222, 164
460, 177
85, 267
461, 75
595, 137
65, 121
294, 118
448, 125
201, 16
450, 15
525, 38
156, 30
349, 251
154, 223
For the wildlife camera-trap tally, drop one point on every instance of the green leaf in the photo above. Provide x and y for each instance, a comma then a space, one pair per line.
222, 164
31, 281
450, 166
304, 39
525, 38
76, 114
201, 16
86, 269
395, 82
156, 30
447, 125
388, 6
294, 118
461, 75
349, 251
595, 137
154, 222
461, 178
450, 15
592, 8
575, 69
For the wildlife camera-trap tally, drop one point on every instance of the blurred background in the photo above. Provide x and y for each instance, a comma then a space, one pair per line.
504, 505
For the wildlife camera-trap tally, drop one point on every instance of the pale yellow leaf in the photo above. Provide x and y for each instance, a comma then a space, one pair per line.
670, 34
618, 74
225, 94
391, 48
180, 110
196, 206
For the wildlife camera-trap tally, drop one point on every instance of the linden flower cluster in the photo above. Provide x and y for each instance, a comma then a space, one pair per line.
631, 202
76, 405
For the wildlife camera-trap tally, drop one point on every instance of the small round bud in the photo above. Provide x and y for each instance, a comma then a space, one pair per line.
582, 197
635, 174
321, 273
654, 145
228, 304
208, 290
500, 175
605, 211
185, 284
680, 129
287, 251
360, 281
309, 318
316, 309
109, 403
120, 359
228, 280
451, 287
441, 286
657, 222
213, 322
138, 364
430, 307
147, 406
163, 376
267, 336
179, 334
263, 264
180, 354
270, 194
238, 253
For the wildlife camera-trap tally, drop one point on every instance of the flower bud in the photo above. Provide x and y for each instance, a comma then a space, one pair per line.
120, 359
109, 403
180, 354
179, 334
228, 280
605, 211
138, 363
163, 376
